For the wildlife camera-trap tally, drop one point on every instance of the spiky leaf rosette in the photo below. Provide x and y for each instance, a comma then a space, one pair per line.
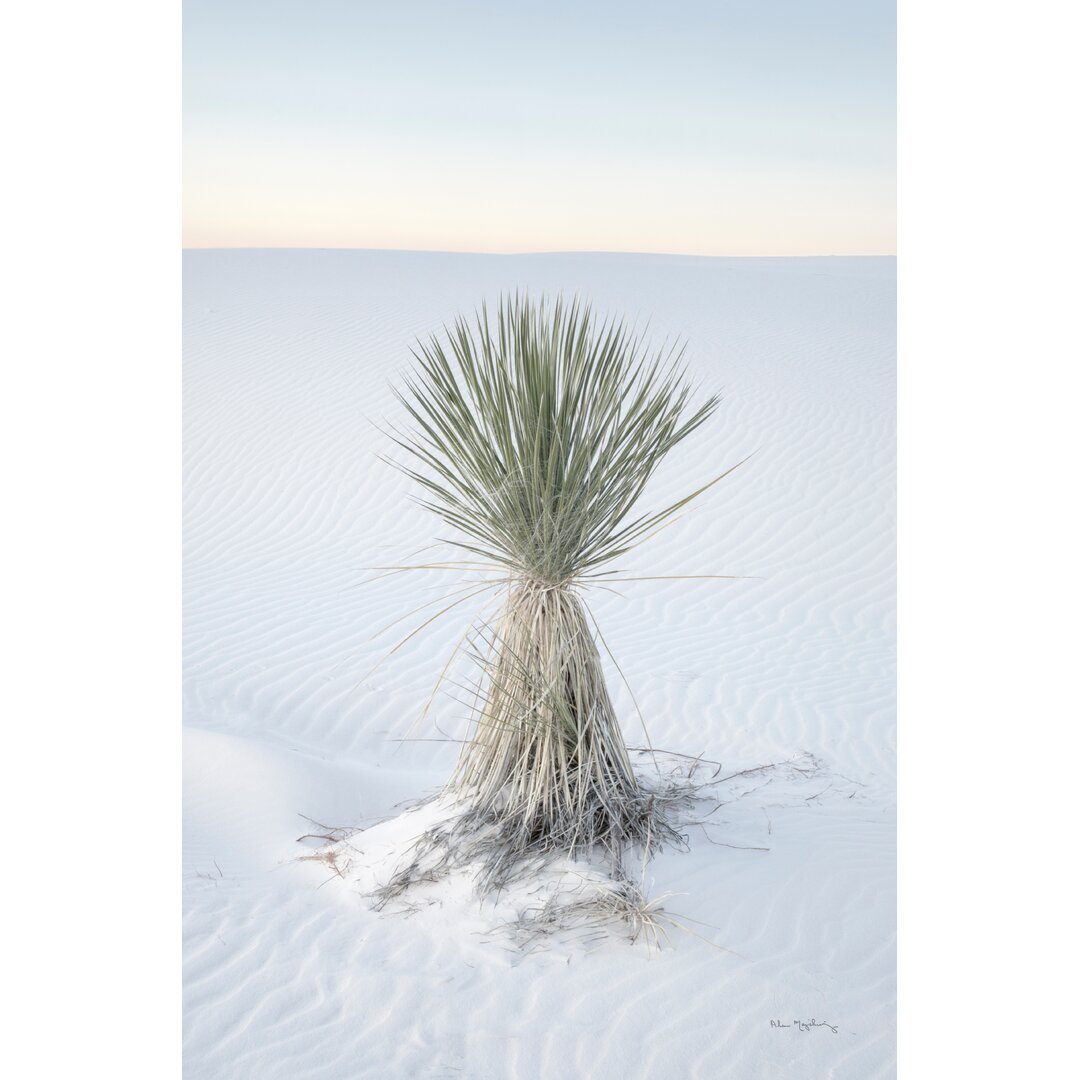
540, 433
535, 435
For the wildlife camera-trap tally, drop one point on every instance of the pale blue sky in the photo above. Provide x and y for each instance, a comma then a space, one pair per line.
759, 127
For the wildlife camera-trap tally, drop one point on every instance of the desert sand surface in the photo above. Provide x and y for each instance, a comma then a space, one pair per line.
790, 886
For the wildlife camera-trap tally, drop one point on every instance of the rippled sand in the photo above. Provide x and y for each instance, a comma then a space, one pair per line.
288, 973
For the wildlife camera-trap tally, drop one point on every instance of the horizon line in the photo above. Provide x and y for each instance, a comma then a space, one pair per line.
516, 254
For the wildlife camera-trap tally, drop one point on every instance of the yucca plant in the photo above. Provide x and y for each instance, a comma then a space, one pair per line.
534, 435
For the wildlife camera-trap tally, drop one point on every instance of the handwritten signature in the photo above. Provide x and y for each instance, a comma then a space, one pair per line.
804, 1025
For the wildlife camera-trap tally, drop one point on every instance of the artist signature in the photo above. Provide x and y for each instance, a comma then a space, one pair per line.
804, 1025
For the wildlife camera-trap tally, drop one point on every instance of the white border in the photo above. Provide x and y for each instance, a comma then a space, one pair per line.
91, 428
988, 546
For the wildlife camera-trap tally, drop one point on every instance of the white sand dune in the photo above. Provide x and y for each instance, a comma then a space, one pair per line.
288, 359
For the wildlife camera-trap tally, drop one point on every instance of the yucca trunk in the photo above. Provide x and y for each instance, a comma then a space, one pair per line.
546, 758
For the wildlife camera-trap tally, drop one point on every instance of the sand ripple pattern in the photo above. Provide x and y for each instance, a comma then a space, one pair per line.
288, 355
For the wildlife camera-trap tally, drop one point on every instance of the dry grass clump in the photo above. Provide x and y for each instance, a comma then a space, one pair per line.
593, 910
